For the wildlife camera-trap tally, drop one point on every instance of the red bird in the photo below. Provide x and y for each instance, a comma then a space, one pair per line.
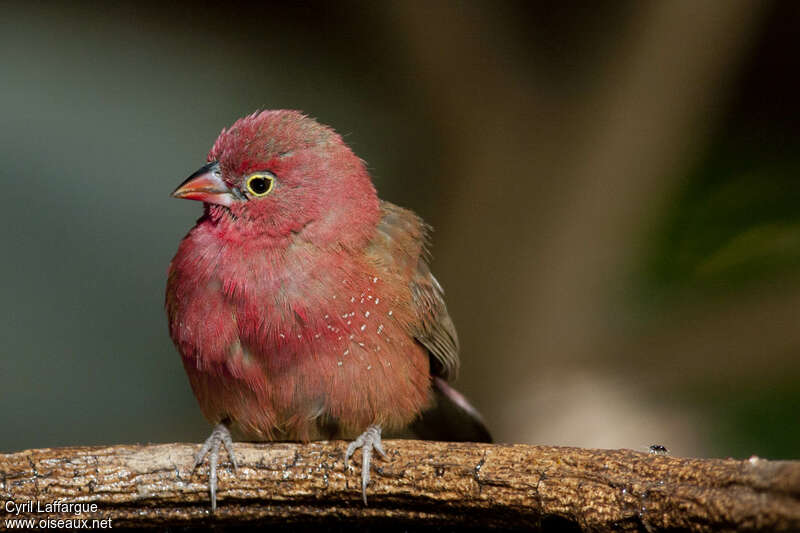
302, 305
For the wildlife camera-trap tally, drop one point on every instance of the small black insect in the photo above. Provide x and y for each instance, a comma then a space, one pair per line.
658, 449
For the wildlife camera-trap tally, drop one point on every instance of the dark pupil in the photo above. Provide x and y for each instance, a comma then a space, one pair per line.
259, 185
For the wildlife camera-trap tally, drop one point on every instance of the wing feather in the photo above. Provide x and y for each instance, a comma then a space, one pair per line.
401, 240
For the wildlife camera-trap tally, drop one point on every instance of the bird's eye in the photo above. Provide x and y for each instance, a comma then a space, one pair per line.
260, 184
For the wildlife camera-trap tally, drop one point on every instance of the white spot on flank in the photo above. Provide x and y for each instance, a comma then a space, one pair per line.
299, 336
349, 322
352, 299
347, 351
362, 300
334, 296
363, 327
339, 363
390, 313
377, 300
369, 367
375, 280
351, 336
281, 335
361, 344
316, 336
366, 315
326, 317
344, 315
369, 297
380, 328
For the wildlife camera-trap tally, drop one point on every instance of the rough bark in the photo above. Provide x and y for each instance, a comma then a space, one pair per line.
422, 484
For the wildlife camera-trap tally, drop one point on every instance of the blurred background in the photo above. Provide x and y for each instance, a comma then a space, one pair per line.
615, 189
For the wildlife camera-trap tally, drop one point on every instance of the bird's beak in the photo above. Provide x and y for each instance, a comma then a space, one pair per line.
206, 185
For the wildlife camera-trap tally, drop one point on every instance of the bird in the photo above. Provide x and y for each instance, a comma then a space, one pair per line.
303, 306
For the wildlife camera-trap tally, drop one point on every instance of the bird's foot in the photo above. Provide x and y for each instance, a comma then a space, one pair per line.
367, 441
220, 436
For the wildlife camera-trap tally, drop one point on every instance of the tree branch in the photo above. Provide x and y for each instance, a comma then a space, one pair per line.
422, 484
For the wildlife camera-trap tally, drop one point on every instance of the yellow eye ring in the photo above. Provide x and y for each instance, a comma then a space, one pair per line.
260, 184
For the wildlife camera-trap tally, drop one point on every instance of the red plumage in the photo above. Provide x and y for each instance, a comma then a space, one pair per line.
307, 312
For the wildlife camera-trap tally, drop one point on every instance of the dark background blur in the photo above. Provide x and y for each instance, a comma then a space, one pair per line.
615, 189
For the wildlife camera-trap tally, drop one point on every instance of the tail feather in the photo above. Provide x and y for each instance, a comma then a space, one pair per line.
452, 418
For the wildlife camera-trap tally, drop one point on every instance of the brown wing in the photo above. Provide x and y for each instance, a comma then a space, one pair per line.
403, 236
400, 245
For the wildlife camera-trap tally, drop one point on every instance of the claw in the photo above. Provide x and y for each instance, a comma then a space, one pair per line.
367, 441
220, 436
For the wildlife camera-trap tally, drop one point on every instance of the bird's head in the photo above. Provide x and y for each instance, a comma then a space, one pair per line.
278, 174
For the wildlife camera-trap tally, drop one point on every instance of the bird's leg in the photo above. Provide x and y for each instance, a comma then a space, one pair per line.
367, 441
220, 436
